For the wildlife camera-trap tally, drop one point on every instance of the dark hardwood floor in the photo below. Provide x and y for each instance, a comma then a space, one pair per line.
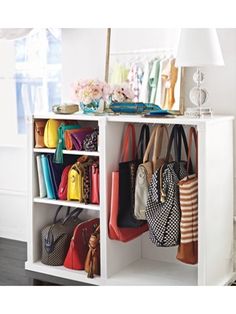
13, 255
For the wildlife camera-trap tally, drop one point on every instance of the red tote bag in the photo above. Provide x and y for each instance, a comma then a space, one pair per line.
115, 232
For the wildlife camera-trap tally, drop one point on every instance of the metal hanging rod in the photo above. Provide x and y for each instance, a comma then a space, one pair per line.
142, 51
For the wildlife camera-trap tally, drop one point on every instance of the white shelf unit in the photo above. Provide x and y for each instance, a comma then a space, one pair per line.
65, 152
139, 262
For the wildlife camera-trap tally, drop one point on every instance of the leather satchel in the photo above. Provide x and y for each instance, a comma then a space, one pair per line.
146, 170
39, 127
56, 237
92, 262
75, 258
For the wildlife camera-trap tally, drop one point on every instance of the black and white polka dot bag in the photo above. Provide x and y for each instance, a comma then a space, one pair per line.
163, 207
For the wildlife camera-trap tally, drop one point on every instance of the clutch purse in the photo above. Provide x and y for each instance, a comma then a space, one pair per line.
65, 108
135, 107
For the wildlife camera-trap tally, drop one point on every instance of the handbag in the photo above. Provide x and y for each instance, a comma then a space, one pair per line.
69, 140
146, 170
135, 107
51, 133
62, 190
47, 175
90, 142
79, 136
92, 261
163, 209
127, 175
188, 191
56, 237
65, 108
76, 255
115, 232
39, 127
41, 182
95, 183
58, 155
75, 189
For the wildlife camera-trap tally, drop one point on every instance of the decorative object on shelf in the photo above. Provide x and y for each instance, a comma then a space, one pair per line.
199, 48
122, 93
92, 95
138, 108
65, 108
92, 261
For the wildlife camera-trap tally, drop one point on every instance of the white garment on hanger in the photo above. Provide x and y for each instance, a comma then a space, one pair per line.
159, 99
145, 89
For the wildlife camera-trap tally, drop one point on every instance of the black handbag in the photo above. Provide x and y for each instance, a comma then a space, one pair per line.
163, 208
56, 237
127, 177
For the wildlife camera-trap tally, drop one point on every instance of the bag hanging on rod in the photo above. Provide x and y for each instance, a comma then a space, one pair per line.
115, 232
188, 192
146, 170
127, 176
163, 209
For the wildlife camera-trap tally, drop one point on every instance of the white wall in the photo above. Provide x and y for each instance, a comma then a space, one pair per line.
84, 57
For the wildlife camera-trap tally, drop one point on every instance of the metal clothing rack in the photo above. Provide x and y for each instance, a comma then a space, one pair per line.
142, 51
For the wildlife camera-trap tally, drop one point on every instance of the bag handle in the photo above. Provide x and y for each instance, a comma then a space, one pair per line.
129, 134
75, 212
57, 212
143, 138
177, 136
158, 144
192, 135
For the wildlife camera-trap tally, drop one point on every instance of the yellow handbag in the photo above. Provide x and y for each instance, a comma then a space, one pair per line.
51, 133
75, 185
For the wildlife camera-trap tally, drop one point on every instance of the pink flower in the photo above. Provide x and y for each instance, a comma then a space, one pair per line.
122, 93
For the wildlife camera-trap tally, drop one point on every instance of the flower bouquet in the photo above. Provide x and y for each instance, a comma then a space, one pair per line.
92, 95
122, 93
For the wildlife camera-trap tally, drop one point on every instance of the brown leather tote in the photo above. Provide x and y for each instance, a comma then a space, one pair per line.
39, 133
92, 262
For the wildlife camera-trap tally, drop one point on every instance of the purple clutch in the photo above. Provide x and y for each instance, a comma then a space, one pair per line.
78, 137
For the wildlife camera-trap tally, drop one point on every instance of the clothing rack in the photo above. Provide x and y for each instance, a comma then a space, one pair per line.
142, 51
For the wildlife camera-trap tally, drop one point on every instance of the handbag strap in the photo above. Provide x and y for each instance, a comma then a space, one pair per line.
192, 135
129, 134
75, 212
159, 134
143, 141
57, 212
177, 137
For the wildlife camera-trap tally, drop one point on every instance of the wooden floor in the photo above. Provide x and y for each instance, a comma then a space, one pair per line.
13, 255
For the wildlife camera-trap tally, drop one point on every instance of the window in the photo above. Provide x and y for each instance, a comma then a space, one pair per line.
38, 70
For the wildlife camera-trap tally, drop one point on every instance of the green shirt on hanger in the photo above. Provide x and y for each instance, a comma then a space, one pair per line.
153, 80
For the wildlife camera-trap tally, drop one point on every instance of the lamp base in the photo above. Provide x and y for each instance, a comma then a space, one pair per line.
196, 112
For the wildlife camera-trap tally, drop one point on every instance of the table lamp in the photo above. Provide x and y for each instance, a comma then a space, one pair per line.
198, 47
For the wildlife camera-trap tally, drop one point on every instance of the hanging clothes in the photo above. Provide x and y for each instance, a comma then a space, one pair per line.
153, 80
170, 74
135, 80
119, 74
145, 88
160, 93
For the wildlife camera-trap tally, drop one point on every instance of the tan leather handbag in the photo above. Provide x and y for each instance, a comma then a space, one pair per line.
39, 127
92, 262
146, 170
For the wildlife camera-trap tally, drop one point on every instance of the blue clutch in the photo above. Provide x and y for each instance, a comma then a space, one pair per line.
136, 107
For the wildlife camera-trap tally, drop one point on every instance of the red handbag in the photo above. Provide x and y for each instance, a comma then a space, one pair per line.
62, 190
76, 255
95, 183
115, 232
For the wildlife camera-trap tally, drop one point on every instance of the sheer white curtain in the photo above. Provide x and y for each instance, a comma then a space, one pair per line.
14, 33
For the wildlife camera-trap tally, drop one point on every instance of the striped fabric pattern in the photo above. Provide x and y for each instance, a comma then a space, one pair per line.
188, 191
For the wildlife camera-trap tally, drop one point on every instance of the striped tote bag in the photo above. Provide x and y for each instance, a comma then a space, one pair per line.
188, 195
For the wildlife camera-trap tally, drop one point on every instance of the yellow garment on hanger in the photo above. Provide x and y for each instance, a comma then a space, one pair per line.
119, 74
169, 77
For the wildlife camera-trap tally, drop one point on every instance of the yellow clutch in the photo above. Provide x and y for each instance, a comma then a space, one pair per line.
75, 184
51, 133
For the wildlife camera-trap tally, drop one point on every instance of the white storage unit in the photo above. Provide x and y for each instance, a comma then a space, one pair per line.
139, 262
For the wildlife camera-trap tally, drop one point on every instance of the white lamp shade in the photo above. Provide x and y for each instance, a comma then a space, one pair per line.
198, 47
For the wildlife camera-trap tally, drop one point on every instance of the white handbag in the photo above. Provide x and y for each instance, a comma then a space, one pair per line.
42, 186
146, 170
